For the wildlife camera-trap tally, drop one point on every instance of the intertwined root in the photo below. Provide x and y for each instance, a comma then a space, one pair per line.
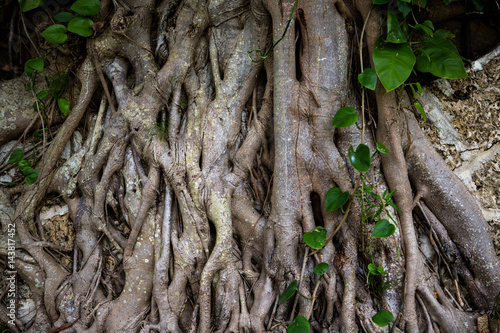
200, 228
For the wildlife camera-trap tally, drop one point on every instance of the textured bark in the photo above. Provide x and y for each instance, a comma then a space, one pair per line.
201, 171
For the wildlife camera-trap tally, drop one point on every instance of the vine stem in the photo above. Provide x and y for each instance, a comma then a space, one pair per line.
300, 283
362, 87
345, 215
313, 298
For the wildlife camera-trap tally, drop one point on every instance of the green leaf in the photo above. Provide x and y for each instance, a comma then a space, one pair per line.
24, 165
380, 2
335, 199
289, 291
425, 29
321, 268
420, 3
315, 239
440, 57
34, 65
372, 269
30, 175
368, 79
361, 158
56, 34
383, 318
383, 228
16, 155
38, 133
27, 5
419, 88
86, 7
421, 110
300, 325
42, 94
345, 117
383, 149
81, 26
395, 29
63, 104
393, 63
64, 17
404, 7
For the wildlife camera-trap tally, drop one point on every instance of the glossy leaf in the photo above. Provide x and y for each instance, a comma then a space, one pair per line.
64, 17
396, 31
289, 291
27, 5
382, 148
335, 199
24, 165
393, 63
380, 2
404, 7
368, 78
42, 94
376, 270
34, 65
361, 158
345, 117
300, 325
383, 228
56, 34
421, 110
16, 155
321, 268
440, 57
383, 318
63, 104
315, 239
30, 175
81, 26
86, 7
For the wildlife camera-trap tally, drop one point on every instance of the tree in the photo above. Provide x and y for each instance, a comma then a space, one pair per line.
202, 169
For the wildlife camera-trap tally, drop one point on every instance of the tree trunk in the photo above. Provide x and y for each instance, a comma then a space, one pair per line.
201, 170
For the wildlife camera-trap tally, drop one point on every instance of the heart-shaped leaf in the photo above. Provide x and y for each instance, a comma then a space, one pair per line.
368, 79
289, 291
81, 26
393, 63
42, 94
27, 5
24, 165
404, 7
396, 31
34, 65
30, 175
381, 148
315, 239
345, 117
440, 57
383, 318
300, 325
321, 268
63, 104
64, 17
86, 7
383, 228
56, 34
335, 199
16, 156
361, 158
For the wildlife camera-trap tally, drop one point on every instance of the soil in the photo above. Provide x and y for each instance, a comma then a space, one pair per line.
472, 106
